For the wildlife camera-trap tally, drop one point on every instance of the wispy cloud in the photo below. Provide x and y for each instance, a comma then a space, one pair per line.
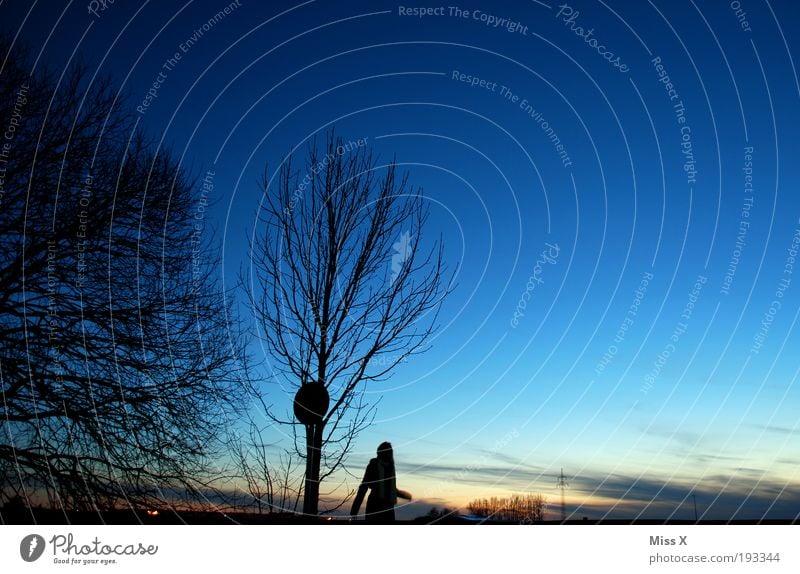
775, 429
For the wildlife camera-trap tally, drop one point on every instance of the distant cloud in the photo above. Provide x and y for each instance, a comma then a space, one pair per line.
718, 497
477, 472
778, 429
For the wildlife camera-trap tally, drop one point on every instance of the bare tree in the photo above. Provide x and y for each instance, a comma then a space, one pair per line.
267, 470
251, 456
344, 291
117, 368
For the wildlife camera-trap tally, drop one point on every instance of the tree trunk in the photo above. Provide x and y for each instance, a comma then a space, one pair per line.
313, 457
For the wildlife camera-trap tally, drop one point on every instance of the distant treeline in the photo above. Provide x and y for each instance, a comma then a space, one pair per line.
514, 508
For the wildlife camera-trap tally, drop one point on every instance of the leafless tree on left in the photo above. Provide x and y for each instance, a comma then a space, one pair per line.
118, 370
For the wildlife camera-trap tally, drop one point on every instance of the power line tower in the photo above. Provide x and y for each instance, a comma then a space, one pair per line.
563, 484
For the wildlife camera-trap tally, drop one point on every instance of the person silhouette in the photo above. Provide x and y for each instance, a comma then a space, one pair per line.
380, 479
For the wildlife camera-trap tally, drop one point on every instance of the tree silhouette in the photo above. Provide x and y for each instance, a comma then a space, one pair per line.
515, 508
117, 369
268, 473
343, 290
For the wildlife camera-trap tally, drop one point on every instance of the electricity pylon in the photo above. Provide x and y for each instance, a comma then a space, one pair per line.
562, 484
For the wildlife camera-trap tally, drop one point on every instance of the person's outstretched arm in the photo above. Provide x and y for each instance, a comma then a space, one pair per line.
403, 494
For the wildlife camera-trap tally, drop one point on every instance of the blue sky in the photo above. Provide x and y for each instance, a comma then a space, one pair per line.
502, 404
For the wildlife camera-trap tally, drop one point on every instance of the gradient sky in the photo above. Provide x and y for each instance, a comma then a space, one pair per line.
501, 405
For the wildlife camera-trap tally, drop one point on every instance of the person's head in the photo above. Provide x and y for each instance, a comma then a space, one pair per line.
385, 453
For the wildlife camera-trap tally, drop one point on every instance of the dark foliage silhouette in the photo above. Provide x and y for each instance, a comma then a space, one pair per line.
117, 368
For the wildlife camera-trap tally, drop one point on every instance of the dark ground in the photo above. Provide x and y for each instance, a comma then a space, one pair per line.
167, 516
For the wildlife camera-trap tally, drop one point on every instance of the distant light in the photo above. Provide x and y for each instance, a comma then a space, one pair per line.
152, 513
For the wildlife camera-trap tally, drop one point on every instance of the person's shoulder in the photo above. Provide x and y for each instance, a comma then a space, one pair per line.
372, 469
